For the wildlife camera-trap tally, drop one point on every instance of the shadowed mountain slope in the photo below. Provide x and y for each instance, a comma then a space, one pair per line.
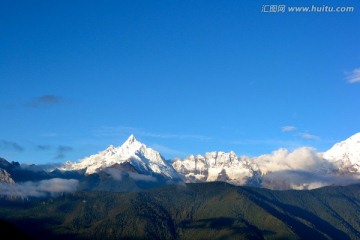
192, 211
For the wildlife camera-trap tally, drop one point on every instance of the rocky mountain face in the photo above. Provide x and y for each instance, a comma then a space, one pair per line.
6, 168
5, 177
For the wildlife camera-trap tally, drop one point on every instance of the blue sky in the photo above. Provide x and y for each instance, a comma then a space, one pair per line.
185, 77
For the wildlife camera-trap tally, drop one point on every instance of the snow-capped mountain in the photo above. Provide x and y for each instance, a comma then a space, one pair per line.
299, 168
145, 160
217, 166
282, 169
346, 154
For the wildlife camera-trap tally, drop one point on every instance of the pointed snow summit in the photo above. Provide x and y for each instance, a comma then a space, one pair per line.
131, 139
346, 154
145, 160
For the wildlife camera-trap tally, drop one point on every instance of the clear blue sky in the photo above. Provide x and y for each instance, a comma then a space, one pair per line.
183, 76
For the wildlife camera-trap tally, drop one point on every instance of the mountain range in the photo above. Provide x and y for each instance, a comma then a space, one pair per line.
132, 192
303, 168
145, 160
134, 166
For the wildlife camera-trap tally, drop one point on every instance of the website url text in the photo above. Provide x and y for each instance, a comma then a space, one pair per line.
298, 9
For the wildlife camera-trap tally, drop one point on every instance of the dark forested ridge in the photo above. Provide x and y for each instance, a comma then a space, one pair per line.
192, 211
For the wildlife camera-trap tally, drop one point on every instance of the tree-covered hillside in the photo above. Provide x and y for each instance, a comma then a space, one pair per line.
192, 211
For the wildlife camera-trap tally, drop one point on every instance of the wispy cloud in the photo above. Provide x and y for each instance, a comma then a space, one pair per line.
42, 188
13, 146
309, 136
45, 100
43, 147
300, 180
61, 151
353, 76
119, 175
269, 142
288, 128
166, 150
125, 131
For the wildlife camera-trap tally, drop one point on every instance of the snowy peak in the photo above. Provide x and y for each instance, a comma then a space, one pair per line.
144, 159
131, 143
130, 140
353, 141
346, 154
215, 166
356, 137
343, 159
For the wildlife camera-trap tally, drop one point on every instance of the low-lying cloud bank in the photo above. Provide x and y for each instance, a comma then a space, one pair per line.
44, 188
304, 159
303, 168
300, 180
118, 175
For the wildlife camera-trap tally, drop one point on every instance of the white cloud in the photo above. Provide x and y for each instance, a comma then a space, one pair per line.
275, 143
300, 180
114, 173
353, 76
288, 128
309, 136
304, 158
119, 175
142, 177
42, 188
166, 150
303, 168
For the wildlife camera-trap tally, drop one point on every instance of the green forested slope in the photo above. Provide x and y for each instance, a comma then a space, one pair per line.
192, 211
